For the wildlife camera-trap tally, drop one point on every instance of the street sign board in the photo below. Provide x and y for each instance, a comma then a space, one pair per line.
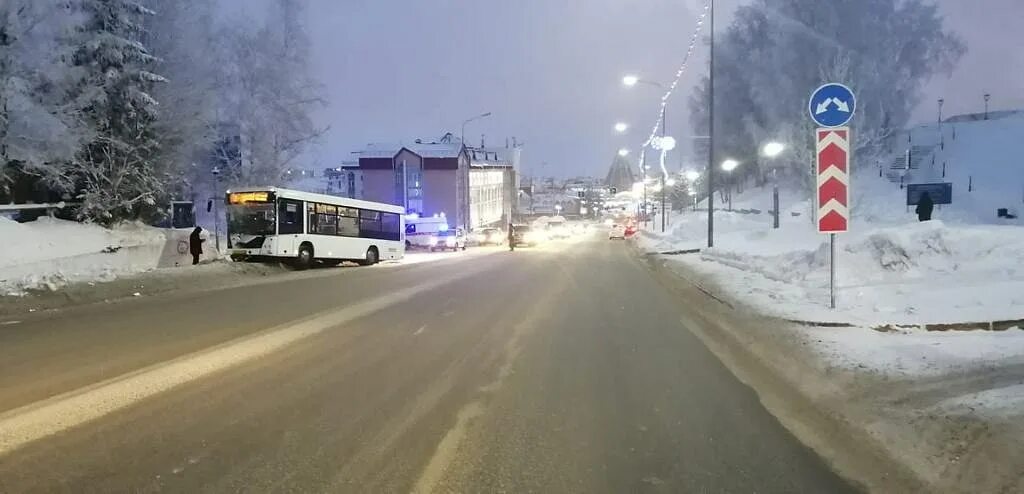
832, 105
833, 170
940, 193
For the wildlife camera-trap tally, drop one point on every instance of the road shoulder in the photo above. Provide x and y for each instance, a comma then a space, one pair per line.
875, 429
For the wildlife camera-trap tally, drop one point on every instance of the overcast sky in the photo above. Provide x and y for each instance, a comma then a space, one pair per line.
550, 71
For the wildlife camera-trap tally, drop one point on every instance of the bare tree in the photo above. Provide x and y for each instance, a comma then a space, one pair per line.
271, 95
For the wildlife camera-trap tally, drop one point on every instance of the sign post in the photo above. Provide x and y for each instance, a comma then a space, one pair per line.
831, 106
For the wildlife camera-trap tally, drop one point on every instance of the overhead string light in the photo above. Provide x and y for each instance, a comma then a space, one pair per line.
671, 89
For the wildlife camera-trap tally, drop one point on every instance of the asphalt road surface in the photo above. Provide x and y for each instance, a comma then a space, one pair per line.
564, 368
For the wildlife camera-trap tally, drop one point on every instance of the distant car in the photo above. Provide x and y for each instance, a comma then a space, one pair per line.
617, 232
490, 236
630, 231
527, 235
448, 239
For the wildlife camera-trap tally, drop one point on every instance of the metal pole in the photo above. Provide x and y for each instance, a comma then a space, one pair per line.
832, 270
664, 213
775, 206
711, 127
663, 203
216, 214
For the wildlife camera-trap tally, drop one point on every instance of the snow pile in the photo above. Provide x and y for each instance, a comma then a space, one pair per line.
891, 269
49, 253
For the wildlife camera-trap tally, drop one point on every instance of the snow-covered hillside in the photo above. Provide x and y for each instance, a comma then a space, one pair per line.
963, 266
981, 158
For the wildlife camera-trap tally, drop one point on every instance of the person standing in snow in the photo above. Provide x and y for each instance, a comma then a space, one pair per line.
511, 237
924, 207
195, 244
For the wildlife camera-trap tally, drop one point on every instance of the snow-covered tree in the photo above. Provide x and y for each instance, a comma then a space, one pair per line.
37, 137
271, 95
777, 51
118, 172
182, 39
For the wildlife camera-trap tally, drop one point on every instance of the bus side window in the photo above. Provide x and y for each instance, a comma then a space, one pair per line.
289, 217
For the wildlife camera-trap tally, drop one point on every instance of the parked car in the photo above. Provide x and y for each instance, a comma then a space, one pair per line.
490, 236
617, 231
448, 239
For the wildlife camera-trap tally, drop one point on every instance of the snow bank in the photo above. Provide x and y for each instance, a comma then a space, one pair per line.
915, 273
49, 253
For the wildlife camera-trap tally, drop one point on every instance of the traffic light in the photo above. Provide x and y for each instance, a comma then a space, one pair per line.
613, 190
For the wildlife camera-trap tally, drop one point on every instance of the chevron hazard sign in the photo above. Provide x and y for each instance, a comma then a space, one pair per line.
833, 179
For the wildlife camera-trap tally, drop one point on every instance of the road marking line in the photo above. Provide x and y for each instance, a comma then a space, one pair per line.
9, 323
418, 331
35, 421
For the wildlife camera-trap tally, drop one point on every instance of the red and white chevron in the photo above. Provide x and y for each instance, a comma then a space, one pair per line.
833, 179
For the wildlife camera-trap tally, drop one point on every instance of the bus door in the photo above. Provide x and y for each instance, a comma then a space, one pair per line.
289, 226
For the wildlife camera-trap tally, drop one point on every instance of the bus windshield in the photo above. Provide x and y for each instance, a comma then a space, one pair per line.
251, 219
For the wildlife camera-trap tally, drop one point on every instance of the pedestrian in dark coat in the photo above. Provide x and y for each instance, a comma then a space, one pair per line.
924, 207
195, 244
511, 237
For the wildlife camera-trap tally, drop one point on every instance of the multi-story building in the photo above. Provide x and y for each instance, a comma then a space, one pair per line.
439, 178
345, 180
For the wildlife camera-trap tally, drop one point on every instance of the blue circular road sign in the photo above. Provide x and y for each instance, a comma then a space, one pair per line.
832, 105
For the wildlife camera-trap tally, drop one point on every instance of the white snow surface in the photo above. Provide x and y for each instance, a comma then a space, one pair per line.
891, 269
49, 253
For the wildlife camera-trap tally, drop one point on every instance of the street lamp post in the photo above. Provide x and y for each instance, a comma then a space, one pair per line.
711, 124
462, 136
216, 211
691, 177
987, 96
942, 140
729, 165
771, 150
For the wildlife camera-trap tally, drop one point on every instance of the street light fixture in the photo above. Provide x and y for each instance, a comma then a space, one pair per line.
621, 127
692, 175
623, 152
462, 136
630, 80
773, 149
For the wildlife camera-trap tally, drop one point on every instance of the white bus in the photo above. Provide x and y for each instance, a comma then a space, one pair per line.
270, 223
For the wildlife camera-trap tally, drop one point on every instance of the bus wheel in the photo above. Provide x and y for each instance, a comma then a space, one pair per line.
372, 257
305, 258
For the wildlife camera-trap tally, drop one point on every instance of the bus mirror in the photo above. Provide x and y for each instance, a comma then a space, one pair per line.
209, 205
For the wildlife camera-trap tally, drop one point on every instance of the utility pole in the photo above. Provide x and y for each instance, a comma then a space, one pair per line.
664, 213
987, 96
711, 128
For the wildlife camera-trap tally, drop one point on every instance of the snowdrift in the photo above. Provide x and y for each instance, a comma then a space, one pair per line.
49, 253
